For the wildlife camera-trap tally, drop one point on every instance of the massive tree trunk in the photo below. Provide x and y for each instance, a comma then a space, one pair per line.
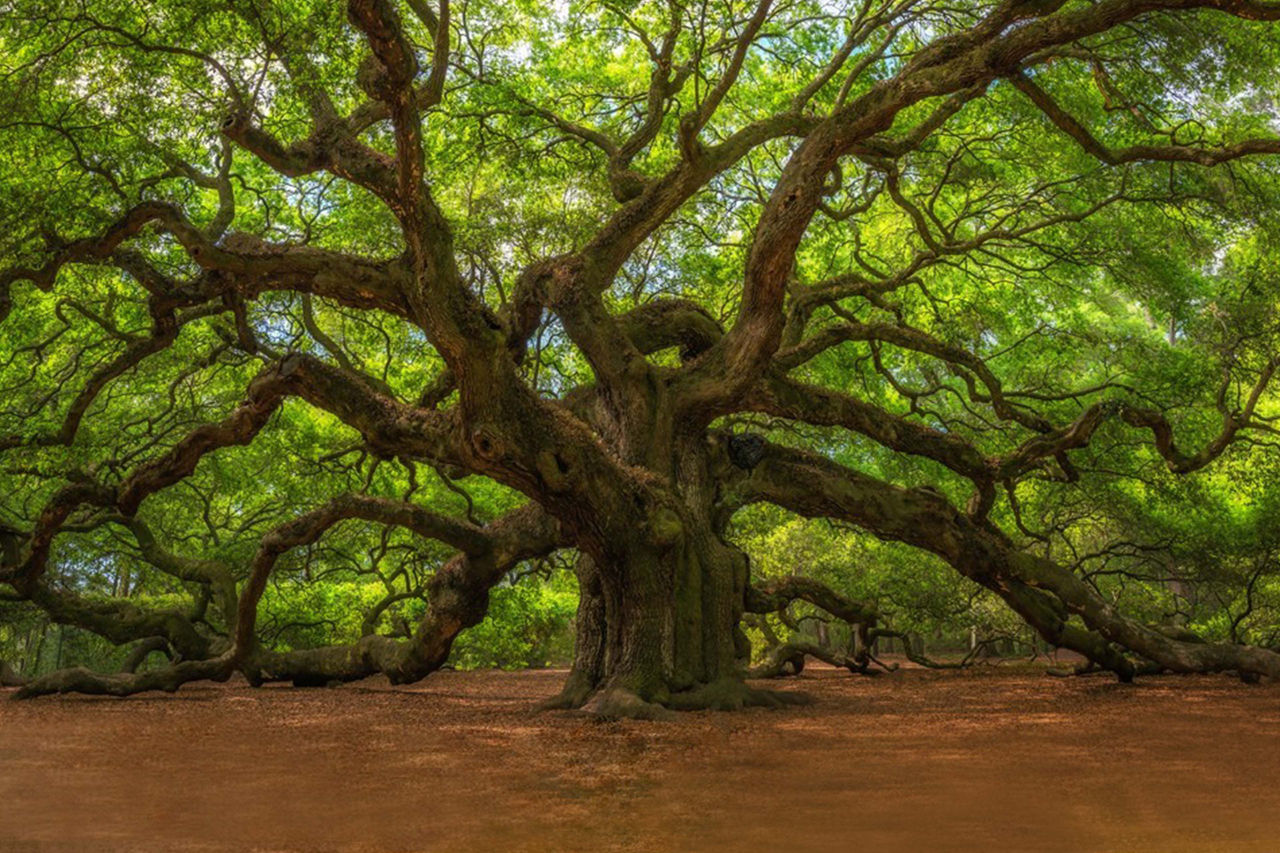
670, 617
660, 607
662, 629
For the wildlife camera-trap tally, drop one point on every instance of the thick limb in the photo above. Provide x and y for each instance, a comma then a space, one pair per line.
168, 679
788, 659
141, 651
457, 596
1043, 592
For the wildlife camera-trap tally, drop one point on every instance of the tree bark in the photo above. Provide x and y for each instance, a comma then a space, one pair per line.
587, 671
660, 607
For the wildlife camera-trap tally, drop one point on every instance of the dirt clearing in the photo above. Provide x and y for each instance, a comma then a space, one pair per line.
987, 760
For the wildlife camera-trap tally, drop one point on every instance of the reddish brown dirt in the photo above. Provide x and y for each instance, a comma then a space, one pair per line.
986, 760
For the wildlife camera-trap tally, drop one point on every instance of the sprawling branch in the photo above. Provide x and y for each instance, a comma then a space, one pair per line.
309, 527
965, 61
387, 425
1078, 433
121, 621
457, 597
1199, 154
239, 264
773, 595
788, 398
1039, 590
389, 78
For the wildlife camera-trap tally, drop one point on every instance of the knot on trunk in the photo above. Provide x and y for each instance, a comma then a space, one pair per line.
746, 450
557, 469
665, 527
486, 443
373, 79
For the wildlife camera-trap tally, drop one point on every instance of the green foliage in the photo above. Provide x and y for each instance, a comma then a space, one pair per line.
916, 592
528, 624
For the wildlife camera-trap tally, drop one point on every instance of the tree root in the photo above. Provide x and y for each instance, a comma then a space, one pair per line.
619, 703
577, 690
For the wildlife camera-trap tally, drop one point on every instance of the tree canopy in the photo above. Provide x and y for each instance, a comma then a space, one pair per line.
374, 308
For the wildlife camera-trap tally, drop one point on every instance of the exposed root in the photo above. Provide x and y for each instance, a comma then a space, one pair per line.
619, 703
577, 690
1089, 667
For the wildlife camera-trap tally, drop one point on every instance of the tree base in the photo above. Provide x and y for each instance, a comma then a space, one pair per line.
618, 703
577, 690
730, 694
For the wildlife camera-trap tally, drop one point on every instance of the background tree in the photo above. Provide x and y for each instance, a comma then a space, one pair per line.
478, 284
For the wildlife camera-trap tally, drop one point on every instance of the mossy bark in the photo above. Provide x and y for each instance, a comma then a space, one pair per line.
659, 610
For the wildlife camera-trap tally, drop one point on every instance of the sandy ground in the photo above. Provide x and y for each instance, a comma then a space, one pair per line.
985, 760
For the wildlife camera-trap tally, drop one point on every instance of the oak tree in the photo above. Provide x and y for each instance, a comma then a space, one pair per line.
631, 267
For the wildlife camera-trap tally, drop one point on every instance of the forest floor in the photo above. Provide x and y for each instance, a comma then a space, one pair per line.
990, 759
